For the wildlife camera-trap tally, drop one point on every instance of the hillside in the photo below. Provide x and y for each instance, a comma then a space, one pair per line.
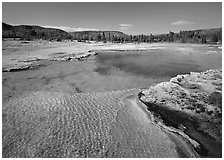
28, 32
193, 36
97, 35
213, 35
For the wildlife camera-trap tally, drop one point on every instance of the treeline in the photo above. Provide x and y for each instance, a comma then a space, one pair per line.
26, 32
45, 35
195, 36
103, 36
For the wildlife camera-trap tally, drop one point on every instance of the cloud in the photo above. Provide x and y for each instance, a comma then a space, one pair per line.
125, 26
70, 29
181, 22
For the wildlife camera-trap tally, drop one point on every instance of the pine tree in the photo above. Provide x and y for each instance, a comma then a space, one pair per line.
203, 40
214, 38
109, 37
151, 38
33, 33
99, 38
103, 38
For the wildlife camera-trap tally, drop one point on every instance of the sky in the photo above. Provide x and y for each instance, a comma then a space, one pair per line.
128, 17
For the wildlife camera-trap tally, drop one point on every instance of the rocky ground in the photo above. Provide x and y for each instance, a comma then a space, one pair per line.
191, 103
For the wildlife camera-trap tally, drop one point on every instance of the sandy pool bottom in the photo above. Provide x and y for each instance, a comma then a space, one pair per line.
71, 77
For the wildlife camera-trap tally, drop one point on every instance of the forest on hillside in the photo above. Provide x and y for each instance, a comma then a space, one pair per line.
195, 36
26, 32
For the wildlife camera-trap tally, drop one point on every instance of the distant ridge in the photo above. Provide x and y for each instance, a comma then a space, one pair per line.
94, 35
31, 32
213, 35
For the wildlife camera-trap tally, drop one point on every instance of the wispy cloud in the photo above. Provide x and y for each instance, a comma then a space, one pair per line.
182, 22
70, 29
125, 26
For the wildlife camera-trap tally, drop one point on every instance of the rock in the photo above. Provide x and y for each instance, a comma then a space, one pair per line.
73, 57
195, 100
22, 67
30, 60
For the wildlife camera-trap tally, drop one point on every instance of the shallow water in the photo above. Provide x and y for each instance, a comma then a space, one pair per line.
156, 63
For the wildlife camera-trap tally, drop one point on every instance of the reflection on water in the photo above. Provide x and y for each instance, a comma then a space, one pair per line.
156, 64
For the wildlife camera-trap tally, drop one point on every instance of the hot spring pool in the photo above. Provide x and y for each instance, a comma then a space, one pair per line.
156, 63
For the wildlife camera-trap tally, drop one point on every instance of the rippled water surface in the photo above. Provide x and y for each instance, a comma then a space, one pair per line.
157, 63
